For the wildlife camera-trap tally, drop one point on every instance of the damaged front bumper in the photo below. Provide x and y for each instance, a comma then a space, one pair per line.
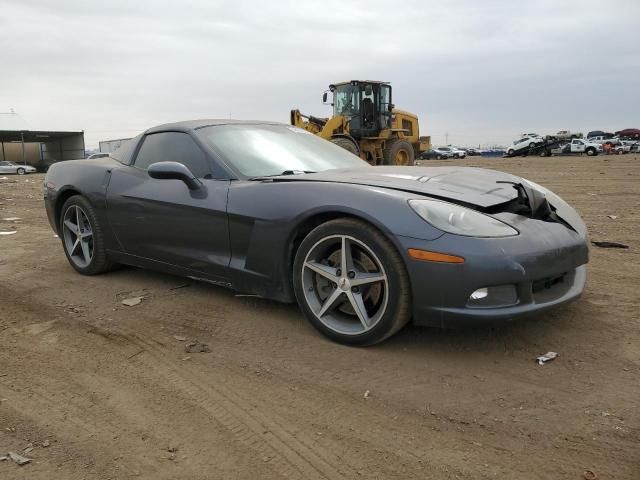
501, 278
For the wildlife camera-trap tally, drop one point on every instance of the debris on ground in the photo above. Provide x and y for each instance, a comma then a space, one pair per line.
547, 357
19, 459
8, 233
612, 217
46, 443
196, 347
366, 394
180, 338
11, 219
610, 245
130, 302
590, 475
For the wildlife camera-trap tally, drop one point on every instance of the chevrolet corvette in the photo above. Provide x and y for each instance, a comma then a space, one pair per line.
271, 210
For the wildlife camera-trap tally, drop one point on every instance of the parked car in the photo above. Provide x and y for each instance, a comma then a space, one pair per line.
566, 135
457, 152
437, 153
472, 152
580, 146
629, 133
266, 209
599, 133
19, 168
602, 139
530, 135
621, 148
524, 144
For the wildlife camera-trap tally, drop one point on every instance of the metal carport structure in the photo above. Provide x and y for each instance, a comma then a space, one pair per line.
54, 146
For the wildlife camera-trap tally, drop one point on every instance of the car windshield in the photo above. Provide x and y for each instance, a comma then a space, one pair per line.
258, 150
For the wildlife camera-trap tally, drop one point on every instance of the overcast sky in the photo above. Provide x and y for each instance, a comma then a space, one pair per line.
483, 71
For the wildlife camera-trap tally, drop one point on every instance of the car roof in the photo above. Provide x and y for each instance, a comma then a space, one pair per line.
195, 124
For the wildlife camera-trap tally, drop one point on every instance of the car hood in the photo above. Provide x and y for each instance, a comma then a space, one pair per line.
466, 185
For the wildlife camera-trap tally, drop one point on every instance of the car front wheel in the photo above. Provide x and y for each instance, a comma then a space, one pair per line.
20, 171
351, 283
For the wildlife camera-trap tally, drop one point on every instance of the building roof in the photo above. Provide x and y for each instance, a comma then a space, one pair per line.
13, 128
36, 136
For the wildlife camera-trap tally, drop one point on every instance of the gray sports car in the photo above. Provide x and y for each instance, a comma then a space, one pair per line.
272, 210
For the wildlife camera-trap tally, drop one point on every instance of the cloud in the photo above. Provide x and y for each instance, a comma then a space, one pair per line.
481, 71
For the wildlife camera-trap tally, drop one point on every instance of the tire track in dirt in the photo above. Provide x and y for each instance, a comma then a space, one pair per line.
292, 456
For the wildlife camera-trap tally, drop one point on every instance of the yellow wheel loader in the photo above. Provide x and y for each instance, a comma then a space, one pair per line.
366, 123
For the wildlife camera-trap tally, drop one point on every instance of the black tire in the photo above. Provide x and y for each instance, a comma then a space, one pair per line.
347, 144
21, 171
100, 262
398, 305
591, 151
440, 157
395, 147
510, 152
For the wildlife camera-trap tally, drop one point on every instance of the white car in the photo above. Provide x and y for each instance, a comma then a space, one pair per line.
621, 148
602, 140
20, 169
566, 135
530, 135
457, 152
98, 155
525, 143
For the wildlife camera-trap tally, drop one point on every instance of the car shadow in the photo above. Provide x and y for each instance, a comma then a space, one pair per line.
532, 334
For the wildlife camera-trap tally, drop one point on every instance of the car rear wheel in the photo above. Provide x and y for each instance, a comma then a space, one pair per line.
351, 283
82, 237
591, 151
20, 171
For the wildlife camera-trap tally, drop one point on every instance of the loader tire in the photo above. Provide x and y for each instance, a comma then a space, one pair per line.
347, 144
399, 152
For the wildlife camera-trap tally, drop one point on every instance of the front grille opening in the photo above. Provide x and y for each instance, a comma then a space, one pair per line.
547, 283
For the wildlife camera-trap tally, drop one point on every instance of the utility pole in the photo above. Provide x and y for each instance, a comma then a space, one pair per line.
22, 138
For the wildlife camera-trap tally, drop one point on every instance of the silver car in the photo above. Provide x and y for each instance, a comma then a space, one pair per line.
20, 169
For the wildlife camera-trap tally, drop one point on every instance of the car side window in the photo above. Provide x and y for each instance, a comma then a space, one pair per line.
4, 164
173, 147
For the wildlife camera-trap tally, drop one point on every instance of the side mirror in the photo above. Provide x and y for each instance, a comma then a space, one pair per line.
174, 171
324, 97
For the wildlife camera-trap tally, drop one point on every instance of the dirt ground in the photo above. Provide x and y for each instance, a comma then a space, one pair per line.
100, 390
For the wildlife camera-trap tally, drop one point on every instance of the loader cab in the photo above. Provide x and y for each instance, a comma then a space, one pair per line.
366, 106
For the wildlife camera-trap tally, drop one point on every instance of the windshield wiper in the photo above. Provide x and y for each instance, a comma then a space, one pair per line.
286, 172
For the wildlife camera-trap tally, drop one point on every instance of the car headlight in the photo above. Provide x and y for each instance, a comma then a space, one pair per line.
458, 220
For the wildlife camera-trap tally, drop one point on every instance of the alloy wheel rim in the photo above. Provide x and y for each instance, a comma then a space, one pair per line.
345, 285
78, 236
